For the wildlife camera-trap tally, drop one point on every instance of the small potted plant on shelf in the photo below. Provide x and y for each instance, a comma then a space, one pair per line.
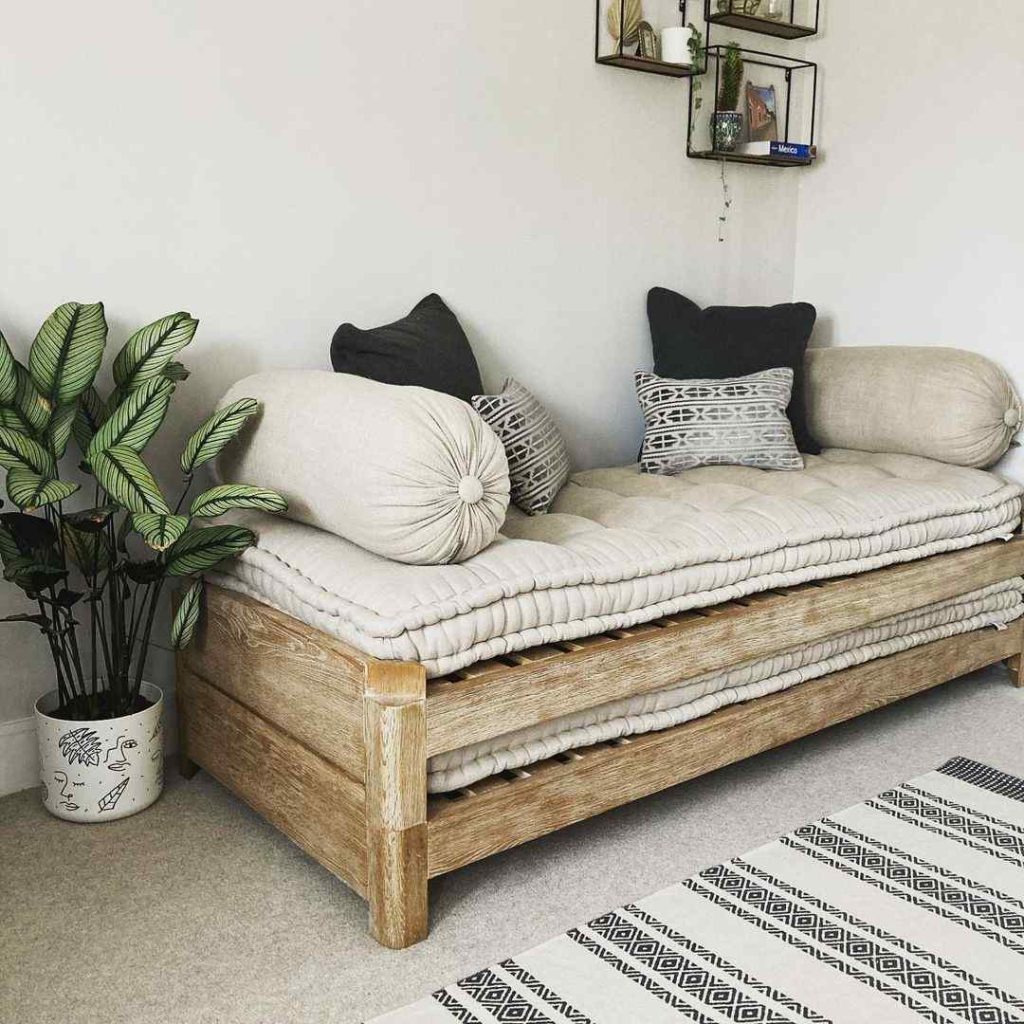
727, 120
94, 576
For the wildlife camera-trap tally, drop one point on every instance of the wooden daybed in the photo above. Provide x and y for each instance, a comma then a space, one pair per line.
331, 745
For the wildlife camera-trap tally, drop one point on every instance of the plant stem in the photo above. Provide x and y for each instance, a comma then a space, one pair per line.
145, 638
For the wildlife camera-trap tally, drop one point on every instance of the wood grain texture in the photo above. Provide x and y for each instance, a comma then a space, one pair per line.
478, 707
396, 802
562, 791
305, 682
1016, 666
314, 803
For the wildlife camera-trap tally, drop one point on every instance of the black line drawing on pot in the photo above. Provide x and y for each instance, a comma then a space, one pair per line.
65, 801
120, 763
81, 746
109, 800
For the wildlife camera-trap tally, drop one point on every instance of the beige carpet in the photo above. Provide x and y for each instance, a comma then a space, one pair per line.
195, 911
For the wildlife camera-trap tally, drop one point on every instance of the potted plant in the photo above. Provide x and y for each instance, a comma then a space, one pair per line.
728, 121
94, 575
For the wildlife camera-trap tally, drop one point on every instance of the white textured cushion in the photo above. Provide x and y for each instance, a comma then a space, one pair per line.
538, 461
410, 474
942, 403
730, 421
621, 547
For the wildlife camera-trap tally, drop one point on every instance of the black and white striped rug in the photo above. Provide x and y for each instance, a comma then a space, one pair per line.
907, 907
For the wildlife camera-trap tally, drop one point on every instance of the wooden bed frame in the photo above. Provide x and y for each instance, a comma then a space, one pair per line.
331, 745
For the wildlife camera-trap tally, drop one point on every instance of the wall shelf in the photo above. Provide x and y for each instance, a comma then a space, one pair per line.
649, 66
747, 158
785, 90
786, 28
766, 27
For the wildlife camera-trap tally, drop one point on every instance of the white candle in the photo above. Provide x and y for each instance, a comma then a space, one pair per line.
675, 45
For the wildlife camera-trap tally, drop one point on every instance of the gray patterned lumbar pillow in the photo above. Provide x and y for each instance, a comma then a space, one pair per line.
736, 421
538, 462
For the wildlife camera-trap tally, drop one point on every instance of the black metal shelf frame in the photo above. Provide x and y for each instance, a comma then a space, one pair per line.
784, 29
789, 66
633, 62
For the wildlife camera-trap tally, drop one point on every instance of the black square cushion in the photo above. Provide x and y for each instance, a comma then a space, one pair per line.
427, 349
733, 341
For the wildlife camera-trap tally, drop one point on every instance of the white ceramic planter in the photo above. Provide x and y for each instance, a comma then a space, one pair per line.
102, 770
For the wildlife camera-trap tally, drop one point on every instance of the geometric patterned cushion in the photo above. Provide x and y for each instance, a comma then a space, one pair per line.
538, 461
735, 421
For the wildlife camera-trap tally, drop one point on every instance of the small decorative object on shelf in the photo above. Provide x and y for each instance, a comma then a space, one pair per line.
776, 125
748, 7
677, 44
728, 121
647, 45
645, 35
631, 12
785, 19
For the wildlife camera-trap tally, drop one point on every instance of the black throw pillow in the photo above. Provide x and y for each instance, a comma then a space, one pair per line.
427, 349
733, 341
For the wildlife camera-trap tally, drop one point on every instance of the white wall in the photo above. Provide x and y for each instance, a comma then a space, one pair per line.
911, 226
277, 169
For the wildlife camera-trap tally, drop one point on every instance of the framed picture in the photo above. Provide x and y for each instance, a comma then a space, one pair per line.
647, 43
761, 119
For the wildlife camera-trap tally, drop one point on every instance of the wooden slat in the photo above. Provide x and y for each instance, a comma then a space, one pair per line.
473, 710
558, 794
305, 682
311, 801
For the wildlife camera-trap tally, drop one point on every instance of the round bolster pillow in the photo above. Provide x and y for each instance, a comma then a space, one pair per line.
942, 403
411, 474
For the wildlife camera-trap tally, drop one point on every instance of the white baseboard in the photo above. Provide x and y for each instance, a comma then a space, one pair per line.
19, 755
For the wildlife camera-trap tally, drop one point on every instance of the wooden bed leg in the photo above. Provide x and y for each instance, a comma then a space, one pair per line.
1016, 667
396, 802
187, 768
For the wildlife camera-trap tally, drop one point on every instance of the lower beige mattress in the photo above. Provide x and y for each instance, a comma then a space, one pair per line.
621, 547
994, 606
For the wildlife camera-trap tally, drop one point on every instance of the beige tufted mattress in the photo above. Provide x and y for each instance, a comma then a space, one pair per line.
620, 548
994, 606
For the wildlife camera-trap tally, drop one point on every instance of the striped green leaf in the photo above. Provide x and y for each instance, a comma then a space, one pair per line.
19, 451
30, 491
200, 550
215, 432
218, 500
58, 430
68, 350
136, 419
147, 353
28, 411
128, 480
89, 418
8, 374
159, 531
186, 618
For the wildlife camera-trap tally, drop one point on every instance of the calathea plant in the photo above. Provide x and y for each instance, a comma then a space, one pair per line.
95, 575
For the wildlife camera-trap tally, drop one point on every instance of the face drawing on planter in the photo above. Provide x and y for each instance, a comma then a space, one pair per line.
120, 760
61, 781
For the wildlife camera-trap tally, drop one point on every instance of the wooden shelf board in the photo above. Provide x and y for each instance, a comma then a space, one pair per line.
649, 66
763, 26
747, 158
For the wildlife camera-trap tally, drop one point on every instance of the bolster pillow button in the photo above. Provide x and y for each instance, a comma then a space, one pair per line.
470, 490
1012, 417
